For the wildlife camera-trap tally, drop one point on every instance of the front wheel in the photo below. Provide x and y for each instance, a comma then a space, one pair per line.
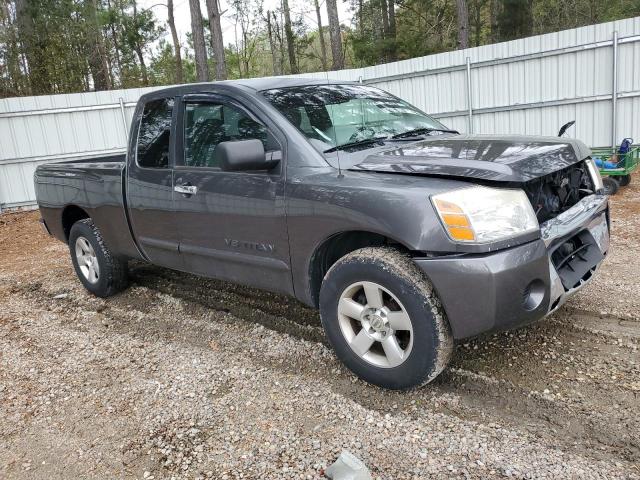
384, 320
98, 269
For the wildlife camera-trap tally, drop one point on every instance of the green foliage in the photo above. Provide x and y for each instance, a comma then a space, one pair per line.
60, 46
423, 27
552, 15
515, 20
163, 65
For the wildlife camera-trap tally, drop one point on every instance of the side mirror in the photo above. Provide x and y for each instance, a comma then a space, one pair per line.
240, 155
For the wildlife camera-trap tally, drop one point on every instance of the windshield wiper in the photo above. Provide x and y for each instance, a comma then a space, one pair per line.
357, 143
422, 131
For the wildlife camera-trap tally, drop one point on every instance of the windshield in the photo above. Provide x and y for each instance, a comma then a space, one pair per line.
336, 116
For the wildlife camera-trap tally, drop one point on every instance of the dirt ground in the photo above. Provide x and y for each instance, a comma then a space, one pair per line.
185, 377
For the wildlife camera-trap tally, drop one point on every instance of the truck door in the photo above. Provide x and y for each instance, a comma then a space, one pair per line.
149, 193
232, 224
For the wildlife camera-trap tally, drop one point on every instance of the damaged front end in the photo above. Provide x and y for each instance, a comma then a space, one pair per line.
574, 225
577, 241
555, 193
521, 284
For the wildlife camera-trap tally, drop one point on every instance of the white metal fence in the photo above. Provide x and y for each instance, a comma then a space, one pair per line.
528, 86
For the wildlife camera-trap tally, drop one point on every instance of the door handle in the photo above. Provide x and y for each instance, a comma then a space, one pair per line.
186, 189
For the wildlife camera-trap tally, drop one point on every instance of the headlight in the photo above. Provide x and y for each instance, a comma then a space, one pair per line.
484, 215
596, 178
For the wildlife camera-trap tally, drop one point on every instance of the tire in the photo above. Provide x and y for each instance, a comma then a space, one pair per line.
359, 282
624, 180
610, 185
98, 269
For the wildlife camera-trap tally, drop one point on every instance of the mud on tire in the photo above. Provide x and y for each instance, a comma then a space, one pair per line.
426, 344
112, 276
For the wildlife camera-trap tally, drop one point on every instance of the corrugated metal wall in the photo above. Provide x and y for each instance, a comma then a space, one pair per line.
41, 129
529, 86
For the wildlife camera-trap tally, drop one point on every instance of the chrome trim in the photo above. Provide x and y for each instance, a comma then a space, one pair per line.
596, 178
571, 220
186, 189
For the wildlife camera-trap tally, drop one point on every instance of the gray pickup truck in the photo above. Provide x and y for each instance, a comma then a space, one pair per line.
405, 234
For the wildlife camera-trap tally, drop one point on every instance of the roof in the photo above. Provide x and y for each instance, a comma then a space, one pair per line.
267, 83
255, 84
252, 84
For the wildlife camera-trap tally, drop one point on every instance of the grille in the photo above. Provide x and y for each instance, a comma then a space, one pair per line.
575, 259
554, 193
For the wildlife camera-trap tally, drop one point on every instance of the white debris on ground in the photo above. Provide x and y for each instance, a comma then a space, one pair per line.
348, 467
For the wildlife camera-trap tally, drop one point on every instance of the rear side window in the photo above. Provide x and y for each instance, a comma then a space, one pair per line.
154, 134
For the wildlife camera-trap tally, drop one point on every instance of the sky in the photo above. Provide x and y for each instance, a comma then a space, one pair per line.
183, 16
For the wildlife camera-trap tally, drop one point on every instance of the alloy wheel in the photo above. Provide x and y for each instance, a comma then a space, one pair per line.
375, 324
87, 260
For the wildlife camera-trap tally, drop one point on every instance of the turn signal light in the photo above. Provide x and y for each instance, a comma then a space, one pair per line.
456, 221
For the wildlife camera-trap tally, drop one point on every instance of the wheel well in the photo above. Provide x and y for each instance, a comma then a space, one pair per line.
70, 215
336, 247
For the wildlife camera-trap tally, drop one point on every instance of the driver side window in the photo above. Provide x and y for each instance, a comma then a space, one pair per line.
208, 124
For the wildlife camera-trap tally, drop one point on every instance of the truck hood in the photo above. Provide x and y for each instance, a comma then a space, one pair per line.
483, 157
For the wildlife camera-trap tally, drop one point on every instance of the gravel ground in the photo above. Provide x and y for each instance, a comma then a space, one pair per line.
183, 377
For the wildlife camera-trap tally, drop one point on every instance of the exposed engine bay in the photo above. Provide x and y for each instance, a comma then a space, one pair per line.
554, 193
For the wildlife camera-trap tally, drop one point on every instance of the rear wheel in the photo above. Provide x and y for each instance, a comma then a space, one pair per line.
610, 185
384, 320
624, 180
98, 269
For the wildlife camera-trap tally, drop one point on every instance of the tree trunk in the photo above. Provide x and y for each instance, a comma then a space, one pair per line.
392, 18
237, 46
143, 65
463, 24
14, 76
323, 46
245, 48
393, 55
334, 34
138, 49
277, 28
176, 42
493, 19
385, 18
289, 34
217, 43
272, 47
197, 31
116, 46
478, 22
96, 54
35, 68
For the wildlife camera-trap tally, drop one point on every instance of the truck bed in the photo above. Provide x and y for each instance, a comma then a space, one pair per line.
94, 185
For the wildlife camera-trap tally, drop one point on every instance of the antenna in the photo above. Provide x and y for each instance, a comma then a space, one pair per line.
333, 127
337, 151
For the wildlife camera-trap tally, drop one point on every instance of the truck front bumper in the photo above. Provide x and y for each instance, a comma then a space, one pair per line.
519, 285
